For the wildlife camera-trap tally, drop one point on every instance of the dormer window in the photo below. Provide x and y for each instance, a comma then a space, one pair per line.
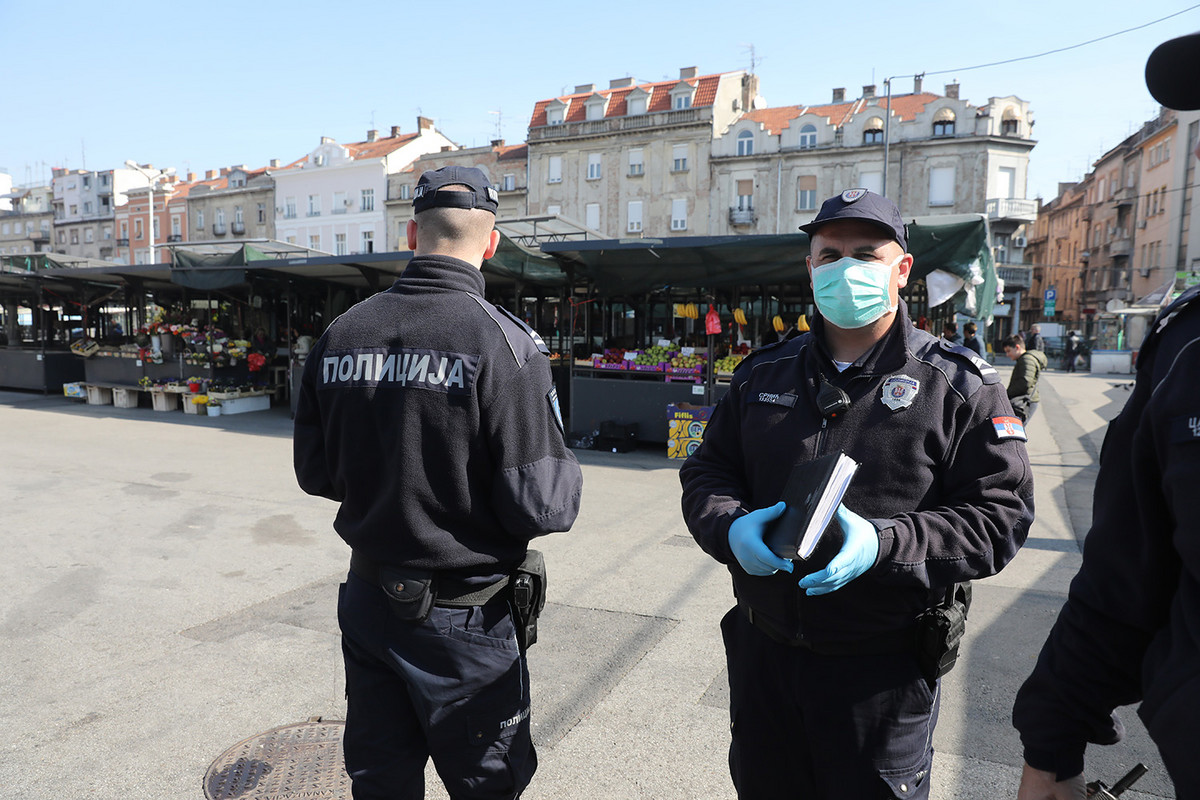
873, 131
636, 104
1010, 125
943, 123
745, 143
595, 106
808, 136
556, 112
682, 101
681, 96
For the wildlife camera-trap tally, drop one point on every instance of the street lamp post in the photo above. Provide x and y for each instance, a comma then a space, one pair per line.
152, 180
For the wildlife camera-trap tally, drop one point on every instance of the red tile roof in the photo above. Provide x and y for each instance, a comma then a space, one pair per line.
513, 152
660, 98
905, 107
379, 147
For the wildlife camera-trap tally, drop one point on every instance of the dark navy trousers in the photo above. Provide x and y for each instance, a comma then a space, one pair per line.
454, 688
825, 727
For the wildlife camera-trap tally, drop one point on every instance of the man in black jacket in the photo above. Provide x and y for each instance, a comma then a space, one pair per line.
1130, 629
829, 696
430, 416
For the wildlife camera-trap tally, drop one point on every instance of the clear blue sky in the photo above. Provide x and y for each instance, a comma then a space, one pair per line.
201, 86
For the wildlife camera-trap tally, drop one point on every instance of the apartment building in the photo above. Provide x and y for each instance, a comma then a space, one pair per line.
85, 204
1056, 249
774, 166
332, 200
26, 220
507, 165
233, 203
633, 159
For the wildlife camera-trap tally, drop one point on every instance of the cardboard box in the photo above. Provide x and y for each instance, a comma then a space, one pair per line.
685, 428
74, 390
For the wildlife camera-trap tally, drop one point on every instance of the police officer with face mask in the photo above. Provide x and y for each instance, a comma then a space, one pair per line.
834, 666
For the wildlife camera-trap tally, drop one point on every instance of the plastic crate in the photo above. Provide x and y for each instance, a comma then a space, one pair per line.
125, 398
165, 401
99, 396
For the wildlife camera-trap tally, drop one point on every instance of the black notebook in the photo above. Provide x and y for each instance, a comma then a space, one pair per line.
813, 492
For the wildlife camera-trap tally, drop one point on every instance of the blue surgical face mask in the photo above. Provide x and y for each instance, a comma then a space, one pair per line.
852, 293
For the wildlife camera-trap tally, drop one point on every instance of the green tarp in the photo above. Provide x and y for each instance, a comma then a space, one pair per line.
204, 270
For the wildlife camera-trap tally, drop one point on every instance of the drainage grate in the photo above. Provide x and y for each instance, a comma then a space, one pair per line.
295, 761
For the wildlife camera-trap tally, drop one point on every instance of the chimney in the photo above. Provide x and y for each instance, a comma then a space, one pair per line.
372, 136
620, 83
395, 131
424, 124
868, 92
687, 72
952, 91
839, 95
274, 163
585, 88
191, 178
326, 140
917, 81
497, 143
446, 148
211, 175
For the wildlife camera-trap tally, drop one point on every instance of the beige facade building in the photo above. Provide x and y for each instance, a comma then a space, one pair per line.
507, 165
231, 204
27, 222
632, 160
1057, 245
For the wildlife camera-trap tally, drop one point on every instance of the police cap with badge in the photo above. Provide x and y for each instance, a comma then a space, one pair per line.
433, 192
865, 205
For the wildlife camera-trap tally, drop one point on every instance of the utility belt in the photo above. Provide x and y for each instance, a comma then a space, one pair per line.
413, 593
934, 638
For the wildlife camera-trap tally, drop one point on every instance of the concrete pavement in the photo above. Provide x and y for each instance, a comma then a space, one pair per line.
170, 592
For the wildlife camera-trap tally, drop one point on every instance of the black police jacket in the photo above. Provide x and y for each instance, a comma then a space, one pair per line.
430, 415
1130, 629
944, 475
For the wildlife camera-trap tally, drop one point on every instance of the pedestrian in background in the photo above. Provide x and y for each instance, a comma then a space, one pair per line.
1023, 383
1035, 340
950, 332
1070, 351
829, 696
971, 341
430, 416
1130, 629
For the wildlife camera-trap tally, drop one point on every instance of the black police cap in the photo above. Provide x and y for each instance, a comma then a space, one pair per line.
865, 205
481, 194
1173, 73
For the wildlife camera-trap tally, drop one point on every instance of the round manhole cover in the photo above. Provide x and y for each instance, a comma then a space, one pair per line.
295, 761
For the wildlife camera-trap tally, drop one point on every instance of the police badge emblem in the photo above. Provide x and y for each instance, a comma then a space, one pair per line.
899, 391
850, 195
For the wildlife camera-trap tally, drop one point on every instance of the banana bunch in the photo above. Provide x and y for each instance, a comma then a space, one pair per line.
687, 310
802, 323
777, 323
739, 316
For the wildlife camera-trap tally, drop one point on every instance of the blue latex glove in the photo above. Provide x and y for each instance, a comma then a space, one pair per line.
858, 554
746, 542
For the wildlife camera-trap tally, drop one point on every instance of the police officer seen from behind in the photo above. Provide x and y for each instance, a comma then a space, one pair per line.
430, 416
834, 675
1130, 629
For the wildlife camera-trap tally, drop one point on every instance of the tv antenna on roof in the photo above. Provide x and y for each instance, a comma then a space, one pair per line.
499, 123
754, 62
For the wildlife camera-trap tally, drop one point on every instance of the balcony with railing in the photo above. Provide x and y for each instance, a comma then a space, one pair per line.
174, 238
218, 229
122, 242
740, 217
1011, 208
1121, 248
1125, 196
601, 127
1014, 276
238, 228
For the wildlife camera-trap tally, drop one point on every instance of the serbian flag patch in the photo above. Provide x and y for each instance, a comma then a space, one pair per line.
1009, 428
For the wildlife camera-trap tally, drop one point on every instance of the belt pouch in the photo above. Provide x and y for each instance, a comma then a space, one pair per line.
529, 596
940, 631
411, 593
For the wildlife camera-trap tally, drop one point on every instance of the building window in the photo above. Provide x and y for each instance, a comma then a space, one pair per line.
806, 193
682, 101
679, 161
108, 232
340, 203
124, 231
405, 191
592, 216
941, 186
87, 181
314, 205
367, 242
871, 181
808, 136
262, 212
508, 183
366, 201
745, 195
679, 215
1009, 124
339, 244
593, 173
88, 235
155, 227
238, 219
220, 221
873, 131
943, 123
137, 230
62, 237
554, 115
87, 207
635, 216
745, 143
553, 210
289, 208
175, 225
636, 105
74, 236
554, 170
314, 241
594, 109
636, 166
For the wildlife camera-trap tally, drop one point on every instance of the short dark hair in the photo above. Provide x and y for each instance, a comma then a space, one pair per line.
1016, 340
970, 328
950, 325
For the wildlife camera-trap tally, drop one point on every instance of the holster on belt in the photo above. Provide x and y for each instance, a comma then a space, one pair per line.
529, 597
940, 631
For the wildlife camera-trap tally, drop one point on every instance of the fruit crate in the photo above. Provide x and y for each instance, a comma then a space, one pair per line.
599, 363
647, 367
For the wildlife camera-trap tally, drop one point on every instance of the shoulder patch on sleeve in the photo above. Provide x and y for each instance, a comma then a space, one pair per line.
980, 366
1009, 428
